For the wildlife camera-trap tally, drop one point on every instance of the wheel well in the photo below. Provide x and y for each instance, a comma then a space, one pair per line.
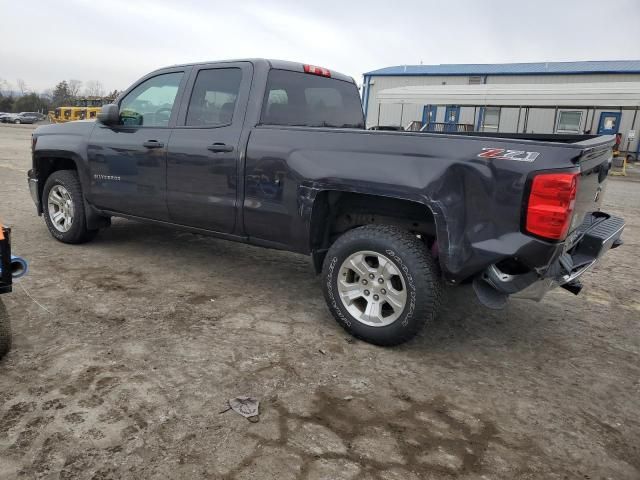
46, 166
334, 213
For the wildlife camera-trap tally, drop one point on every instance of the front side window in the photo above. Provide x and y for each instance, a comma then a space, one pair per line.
569, 122
150, 104
214, 96
302, 99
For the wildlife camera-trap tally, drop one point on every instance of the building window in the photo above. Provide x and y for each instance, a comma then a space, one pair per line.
475, 80
569, 122
490, 119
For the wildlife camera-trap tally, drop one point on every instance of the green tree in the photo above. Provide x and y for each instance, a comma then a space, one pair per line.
6, 103
61, 94
111, 97
31, 102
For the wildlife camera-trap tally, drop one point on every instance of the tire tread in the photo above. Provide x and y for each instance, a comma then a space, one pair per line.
423, 267
79, 232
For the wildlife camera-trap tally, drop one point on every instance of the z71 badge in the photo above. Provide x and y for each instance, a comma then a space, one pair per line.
503, 154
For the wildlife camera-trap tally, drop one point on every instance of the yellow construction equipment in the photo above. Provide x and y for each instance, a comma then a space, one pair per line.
85, 109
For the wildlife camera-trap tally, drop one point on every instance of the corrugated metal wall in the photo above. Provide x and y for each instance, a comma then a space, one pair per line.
539, 120
389, 115
596, 77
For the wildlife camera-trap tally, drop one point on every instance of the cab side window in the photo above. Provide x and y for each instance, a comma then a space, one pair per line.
150, 104
214, 96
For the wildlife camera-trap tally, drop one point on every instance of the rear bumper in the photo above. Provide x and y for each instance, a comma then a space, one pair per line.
598, 234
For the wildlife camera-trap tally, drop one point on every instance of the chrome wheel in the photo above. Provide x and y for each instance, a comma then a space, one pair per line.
61, 209
372, 288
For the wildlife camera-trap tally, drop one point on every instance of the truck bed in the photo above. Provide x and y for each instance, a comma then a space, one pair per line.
537, 137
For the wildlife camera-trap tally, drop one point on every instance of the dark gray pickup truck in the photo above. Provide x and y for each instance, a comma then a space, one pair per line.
276, 154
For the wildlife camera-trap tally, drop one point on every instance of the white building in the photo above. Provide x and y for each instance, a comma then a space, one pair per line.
555, 97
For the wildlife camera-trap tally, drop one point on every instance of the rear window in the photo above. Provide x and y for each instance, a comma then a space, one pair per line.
301, 99
214, 97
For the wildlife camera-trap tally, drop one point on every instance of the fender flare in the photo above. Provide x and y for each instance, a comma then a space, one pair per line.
308, 207
94, 219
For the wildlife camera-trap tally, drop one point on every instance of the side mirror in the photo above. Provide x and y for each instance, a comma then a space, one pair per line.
110, 114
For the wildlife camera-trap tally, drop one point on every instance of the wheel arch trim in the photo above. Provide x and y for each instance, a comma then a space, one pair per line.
311, 200
93, 217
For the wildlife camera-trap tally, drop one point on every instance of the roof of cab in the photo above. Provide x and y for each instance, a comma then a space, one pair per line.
272, 63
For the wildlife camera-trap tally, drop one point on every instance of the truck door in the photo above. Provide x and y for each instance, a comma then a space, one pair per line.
202, 162
128, 161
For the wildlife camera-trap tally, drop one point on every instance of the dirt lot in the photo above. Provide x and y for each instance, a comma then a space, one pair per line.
143, 334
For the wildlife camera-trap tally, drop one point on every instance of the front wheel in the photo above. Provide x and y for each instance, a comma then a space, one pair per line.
16, 121
63, 208
381, 284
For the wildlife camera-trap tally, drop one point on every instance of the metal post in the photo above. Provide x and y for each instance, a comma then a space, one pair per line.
555, 121
401, 112
593, 119
526, 120
586, 120
633, 127
378, 122
518, 122
475, 121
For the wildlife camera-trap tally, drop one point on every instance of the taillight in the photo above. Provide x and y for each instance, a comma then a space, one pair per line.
551, 203
312, 69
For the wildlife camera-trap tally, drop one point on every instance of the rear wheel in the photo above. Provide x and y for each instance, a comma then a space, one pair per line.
63, 208
5, 331
381, 284
16, 121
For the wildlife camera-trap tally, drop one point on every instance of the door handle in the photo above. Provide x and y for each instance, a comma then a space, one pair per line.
153, 144
220, 148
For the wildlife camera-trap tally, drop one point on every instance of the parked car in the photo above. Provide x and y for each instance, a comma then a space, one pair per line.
26, 117
276, 154
4, 117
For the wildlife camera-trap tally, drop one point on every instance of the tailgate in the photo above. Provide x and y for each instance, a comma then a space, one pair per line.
594, 163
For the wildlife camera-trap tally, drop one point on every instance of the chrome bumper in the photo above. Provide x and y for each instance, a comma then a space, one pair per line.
597, 235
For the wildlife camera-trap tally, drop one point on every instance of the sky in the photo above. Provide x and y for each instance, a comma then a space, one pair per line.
118, 41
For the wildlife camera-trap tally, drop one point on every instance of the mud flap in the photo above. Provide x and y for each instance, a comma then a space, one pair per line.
488, 295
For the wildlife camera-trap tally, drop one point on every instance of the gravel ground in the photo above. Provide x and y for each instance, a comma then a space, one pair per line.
127, 348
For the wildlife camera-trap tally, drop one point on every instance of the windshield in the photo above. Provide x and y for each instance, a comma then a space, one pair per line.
302, 99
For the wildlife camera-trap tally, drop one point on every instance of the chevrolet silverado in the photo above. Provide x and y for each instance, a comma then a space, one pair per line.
276, 154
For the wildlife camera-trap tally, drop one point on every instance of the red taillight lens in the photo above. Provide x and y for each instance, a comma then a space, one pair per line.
323, 72
551, 203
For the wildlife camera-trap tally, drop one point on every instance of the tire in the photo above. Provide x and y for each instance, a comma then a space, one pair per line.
403, 265
5, 331
75, 230
16, 121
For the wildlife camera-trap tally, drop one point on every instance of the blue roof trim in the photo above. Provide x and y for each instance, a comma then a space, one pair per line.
541, 68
